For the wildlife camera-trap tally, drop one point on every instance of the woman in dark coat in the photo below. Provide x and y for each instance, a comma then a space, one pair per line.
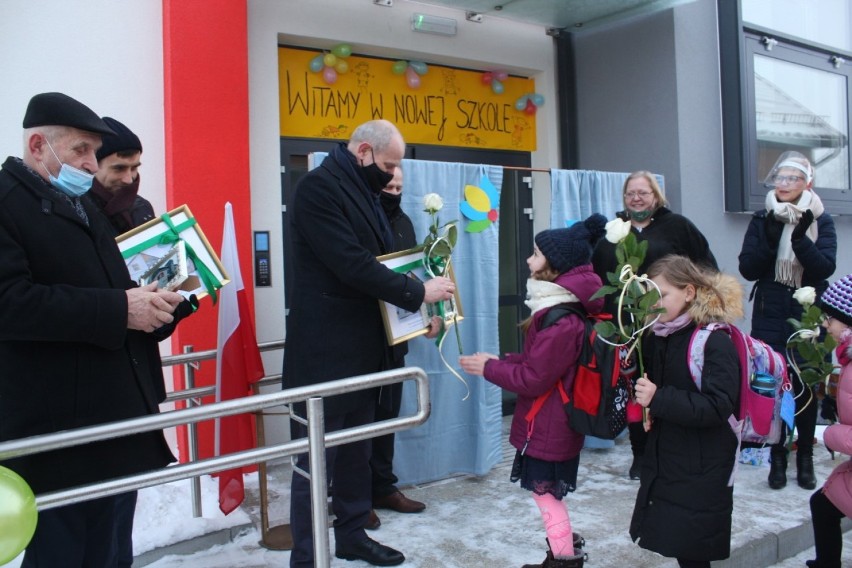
685, 500
790, 244
666, 233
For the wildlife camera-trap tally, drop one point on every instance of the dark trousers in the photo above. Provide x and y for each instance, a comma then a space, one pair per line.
348, 471
381, 461
125, 510
693, 563
828, 538
807, 408
77, 536
638, 437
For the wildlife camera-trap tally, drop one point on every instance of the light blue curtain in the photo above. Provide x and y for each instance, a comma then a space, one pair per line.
461, 436
576, 194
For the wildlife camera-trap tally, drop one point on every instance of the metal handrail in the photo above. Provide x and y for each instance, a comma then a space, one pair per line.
69, 438
314, 444
192, 395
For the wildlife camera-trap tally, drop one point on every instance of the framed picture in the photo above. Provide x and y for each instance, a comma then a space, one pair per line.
175, 254
402, 325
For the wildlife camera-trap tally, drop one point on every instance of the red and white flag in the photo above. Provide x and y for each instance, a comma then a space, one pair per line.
238, 365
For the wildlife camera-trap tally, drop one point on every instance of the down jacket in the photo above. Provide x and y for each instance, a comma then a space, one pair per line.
773, 301
838, 437
549, 355
684, 505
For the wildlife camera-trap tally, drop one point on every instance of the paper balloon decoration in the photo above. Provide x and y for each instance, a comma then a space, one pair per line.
18, 514
480, 205
332, 63
495, 79
529, 103
412, 71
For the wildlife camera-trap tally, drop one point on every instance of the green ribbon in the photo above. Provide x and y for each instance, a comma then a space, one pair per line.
171, 237
439, 306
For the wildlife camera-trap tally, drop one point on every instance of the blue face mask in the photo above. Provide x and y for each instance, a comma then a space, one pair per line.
71, 181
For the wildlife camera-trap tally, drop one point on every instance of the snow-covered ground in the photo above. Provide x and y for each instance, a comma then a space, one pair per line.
470, 521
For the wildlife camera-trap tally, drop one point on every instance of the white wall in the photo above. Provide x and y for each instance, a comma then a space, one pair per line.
106, 54
378, 31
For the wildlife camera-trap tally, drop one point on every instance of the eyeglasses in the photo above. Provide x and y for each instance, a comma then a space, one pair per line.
786, 180
642, 194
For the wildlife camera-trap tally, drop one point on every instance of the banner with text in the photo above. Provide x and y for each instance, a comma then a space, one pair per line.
451, 107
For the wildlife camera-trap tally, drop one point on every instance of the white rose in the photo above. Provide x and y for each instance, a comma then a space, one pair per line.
805, 296
432, 202
809, 333
617, 230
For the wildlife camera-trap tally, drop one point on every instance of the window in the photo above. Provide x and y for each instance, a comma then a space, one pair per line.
781, 93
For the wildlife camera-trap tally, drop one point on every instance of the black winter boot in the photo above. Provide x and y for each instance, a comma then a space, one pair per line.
805, 469
549, 559
778, 469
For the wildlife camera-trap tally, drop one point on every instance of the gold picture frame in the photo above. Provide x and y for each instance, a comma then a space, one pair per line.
402, 325
149, 244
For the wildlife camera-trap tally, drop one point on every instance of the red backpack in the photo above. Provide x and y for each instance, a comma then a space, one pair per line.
597, 405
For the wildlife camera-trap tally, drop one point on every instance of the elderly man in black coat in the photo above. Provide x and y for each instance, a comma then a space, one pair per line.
76, 347
334, 328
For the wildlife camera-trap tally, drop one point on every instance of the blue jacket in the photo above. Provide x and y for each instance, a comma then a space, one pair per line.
773, 301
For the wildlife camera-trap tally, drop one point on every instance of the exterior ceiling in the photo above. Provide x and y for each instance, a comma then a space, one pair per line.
558, 14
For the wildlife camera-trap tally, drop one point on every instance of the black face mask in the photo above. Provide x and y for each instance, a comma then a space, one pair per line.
376, 179
390, 202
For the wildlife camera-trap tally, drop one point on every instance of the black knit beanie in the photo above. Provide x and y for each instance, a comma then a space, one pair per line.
122, 141
568, 248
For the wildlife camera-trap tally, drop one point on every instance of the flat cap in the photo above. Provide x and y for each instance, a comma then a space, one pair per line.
58, 109
122, 140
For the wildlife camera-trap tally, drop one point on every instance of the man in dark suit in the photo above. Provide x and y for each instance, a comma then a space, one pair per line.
76, 342
335, 329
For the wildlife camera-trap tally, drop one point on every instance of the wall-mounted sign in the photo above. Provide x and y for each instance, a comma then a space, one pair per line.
451, 107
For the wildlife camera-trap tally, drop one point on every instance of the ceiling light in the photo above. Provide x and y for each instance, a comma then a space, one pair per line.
433, 24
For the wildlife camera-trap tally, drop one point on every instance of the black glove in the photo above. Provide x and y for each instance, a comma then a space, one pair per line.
772, 228
802, 226
185, 308
828, 409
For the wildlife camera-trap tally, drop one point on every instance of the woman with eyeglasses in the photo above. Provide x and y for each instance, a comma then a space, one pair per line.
667, 233
789, 244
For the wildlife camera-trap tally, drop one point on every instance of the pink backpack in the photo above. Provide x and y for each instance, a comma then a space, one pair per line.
763, 383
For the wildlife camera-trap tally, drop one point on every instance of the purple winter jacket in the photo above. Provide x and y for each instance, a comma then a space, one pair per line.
838, 437
549, 355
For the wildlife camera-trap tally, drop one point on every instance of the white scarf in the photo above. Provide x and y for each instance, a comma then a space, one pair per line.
788, 269
543, 294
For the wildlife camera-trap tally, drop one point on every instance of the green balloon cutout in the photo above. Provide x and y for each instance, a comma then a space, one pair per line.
18, 514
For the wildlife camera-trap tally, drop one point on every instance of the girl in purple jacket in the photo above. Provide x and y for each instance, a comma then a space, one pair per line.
548, 449
834, 500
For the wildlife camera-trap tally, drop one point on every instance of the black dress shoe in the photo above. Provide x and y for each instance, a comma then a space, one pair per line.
371, 552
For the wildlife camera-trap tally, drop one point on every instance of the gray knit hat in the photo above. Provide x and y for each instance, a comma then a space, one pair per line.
836, 301
568, 248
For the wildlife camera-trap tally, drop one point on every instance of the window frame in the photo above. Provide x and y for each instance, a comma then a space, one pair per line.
738, 43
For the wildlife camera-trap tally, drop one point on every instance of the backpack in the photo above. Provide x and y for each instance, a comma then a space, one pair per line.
763, 383
598, 405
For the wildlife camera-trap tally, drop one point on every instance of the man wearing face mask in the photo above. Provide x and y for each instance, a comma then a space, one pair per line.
334, 328
76, 341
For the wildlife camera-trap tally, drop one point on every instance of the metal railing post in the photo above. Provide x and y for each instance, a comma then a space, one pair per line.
319, 483
192, 434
